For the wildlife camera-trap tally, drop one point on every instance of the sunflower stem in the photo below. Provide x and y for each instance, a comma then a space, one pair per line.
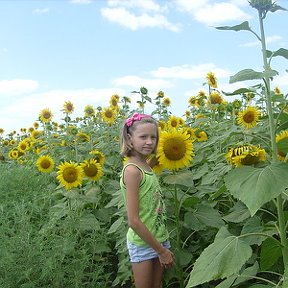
279, 203
179, 270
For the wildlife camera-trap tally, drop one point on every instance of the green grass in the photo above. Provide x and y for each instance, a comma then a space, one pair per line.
41, 248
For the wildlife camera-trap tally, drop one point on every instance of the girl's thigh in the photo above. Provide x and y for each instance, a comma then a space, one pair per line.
148, 273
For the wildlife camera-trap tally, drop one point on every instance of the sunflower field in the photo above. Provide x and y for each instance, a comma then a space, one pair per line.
223, 170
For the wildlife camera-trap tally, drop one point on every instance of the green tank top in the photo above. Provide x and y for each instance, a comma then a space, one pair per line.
152, 210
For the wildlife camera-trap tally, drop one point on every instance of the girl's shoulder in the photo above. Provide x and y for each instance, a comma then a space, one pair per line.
132, 166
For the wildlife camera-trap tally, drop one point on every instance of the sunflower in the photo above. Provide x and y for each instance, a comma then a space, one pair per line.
201, 136
108, 115
68, 107
237, 104
92, 169
158, 168
166, 101
89, 111
277, 90
160, 94
193, 101
187, 114
36, 125
215, 98
1, 131
45, 163
173, 122
248, 96
12, 142
13, 154
175, 149
98, 156
114, 100
249, 117
211, 79
5, 143
36, 134
70, 174
83, 137
282, 139
45, 115
24, 146
246, 155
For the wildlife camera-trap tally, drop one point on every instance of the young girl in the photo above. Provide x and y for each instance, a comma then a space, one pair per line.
147, 236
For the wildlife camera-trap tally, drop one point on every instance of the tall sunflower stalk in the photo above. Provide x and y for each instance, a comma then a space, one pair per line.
263, 8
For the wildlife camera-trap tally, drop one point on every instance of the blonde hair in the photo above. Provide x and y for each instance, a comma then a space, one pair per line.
125, 149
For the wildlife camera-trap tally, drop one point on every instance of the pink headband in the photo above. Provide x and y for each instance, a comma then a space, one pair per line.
135, 117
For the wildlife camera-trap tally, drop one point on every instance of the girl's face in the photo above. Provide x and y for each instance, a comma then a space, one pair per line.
144, 138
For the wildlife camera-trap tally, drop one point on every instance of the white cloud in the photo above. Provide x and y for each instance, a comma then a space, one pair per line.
269, 40
81, 1
41, 11
134, 22
3, 50
147, 5
211, 13
219, 13
190, 71
23, 112
282, 82
190, 6
136, 82
17, 87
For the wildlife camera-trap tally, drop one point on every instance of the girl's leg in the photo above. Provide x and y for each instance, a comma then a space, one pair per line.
157, 273
148, 274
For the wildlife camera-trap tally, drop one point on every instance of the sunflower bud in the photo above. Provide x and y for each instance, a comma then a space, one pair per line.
262, 5
144, 90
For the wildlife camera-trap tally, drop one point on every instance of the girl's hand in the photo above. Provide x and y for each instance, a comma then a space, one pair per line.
167, 258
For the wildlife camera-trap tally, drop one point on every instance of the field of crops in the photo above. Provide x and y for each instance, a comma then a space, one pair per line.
222, 166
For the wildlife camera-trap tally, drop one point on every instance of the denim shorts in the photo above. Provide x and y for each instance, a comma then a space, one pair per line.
142, 253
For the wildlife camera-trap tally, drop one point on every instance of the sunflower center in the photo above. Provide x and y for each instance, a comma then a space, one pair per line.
70, 174
46, 115
250, 160
109, 114
90, 170
174, 148
249, 117
45, 164
215, 99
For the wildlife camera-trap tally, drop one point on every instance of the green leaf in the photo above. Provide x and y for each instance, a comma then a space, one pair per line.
282, 145
181, 178
253, 225
239, 27
238, 92
209, 216
88, 222
247, 274
257, 186
238, 213
221, 259
115, 226
183, 257
280, 52
270, 253
276, 8
250, 74
227, 283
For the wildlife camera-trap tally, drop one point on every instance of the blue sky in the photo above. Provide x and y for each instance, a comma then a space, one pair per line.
84, 51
